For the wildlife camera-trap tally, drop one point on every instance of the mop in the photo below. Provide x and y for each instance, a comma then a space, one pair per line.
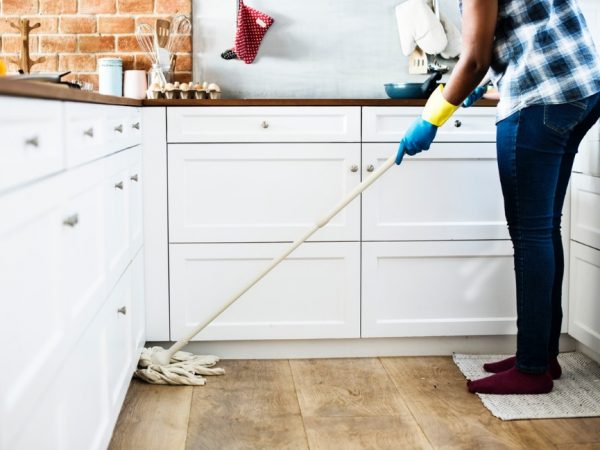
172, 366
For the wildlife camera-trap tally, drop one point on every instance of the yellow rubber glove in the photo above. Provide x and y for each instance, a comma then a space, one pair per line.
2, 68
437, 109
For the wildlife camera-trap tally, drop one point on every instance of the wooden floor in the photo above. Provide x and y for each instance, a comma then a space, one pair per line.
366, 403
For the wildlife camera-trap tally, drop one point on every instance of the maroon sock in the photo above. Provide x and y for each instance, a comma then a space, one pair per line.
508, 363
512, 381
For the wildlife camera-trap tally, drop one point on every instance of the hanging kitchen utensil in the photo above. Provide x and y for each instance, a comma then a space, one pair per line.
163, 31
252, 25
417, 62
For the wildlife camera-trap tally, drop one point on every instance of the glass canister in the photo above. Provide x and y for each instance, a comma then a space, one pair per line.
110, 76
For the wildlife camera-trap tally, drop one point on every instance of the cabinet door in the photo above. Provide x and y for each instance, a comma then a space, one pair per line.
33, 324
135, 183
584, 293
389, 124
116, 194
314, 293
437, 289
585, 210
450, 192
261, 192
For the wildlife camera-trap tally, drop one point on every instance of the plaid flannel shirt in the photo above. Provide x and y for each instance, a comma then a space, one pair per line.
543, 54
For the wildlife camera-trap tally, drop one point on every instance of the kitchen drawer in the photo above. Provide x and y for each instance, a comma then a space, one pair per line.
261, 192
85, 131
263, 124
585, 210
438, 289
314, 293
32, 140
449, 192
584, 293
119, 129
389, 124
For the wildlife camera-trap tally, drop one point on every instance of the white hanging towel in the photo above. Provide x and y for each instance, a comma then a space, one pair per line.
418, 25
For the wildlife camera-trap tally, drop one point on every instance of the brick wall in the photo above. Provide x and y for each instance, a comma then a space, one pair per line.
75, 33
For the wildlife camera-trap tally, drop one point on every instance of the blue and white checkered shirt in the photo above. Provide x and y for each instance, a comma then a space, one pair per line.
543, 54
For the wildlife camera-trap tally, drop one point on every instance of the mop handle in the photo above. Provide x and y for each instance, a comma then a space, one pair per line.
321, 223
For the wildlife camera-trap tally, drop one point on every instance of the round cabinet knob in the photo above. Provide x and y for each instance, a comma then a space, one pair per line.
354, 168
119, 128
119, 185
33, 142
71, 221
89, 132
122, 310
370, 168
264, 124
457, 123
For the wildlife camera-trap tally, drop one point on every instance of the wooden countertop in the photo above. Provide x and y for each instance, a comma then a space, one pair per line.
59, 92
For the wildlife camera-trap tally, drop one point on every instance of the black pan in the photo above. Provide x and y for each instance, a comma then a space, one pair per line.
413, 90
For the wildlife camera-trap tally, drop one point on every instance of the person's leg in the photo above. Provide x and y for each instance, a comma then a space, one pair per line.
531, 147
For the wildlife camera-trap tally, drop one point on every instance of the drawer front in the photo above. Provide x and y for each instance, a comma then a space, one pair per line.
118, 128
449, 192
389, 124
261, 192
32, 140
585, 210
264, 124
438, 289
314, 293
85, 131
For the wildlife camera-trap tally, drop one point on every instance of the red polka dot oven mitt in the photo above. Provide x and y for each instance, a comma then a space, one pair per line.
252, 25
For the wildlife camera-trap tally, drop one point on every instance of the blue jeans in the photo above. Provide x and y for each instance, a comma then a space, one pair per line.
536, 148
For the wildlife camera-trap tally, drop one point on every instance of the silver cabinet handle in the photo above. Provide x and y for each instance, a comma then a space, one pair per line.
264, 124
33, 141
71, 221
89, 132
136, 126
354, 168
119, 128
370, 168
134, 177
122, 310
119, 185
457, 123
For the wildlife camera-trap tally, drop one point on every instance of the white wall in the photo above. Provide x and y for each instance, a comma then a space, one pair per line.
315, 48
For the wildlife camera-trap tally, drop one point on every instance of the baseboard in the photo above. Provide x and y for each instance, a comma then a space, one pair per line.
353, 348
588, 351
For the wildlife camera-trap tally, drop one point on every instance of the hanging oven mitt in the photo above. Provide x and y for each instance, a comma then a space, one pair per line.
252, 25
419, 26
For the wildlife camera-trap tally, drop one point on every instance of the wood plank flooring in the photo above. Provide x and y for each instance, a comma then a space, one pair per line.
337, 404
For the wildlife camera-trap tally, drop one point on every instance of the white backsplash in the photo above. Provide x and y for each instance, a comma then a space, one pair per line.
315, 48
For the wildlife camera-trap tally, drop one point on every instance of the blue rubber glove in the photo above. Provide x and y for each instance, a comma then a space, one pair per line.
477, 93
418, 138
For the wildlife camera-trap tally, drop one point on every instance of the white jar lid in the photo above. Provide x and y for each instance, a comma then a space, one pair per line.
110, 61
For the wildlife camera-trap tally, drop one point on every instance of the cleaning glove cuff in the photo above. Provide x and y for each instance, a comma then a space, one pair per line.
437, 109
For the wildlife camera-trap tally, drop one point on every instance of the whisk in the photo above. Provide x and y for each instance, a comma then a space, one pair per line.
180, 25
146, 38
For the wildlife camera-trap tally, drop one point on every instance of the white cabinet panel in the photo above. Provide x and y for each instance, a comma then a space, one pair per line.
263, 124
116, 194
584, 295
138, 308
32, 140
449, 192
585, 210
437, 289
389, 124
315, 293
261, 192
85, 132
135, 183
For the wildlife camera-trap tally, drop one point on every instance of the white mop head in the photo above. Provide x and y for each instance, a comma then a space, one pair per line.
184, 368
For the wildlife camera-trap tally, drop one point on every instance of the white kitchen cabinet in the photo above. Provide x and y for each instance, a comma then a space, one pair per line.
85, 132
315, 293
263, 124
32, 141
585, 210
135, 184
584, 295
389, 124
261, 192
437, 289
450, 192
